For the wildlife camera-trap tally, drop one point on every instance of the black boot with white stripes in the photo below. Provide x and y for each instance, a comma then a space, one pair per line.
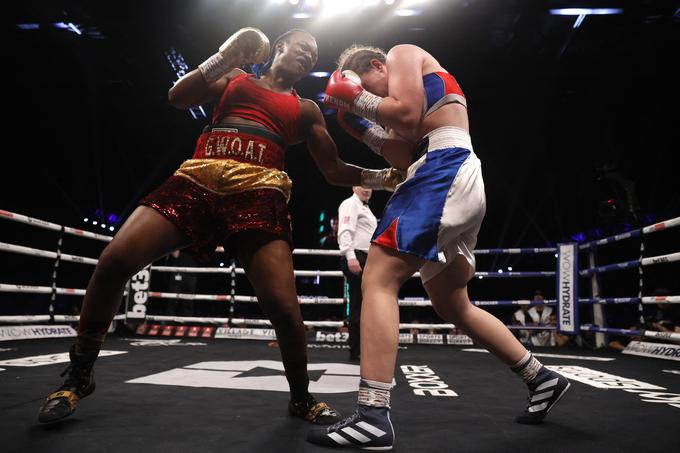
369, 428
545, 390
546, 387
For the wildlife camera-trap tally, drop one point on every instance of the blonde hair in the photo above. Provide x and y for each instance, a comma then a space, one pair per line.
358, 58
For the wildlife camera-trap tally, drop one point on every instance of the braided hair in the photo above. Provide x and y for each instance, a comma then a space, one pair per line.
261, 69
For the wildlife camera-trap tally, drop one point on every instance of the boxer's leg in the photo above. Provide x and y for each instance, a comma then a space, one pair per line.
448, 293
268, 262
146, 235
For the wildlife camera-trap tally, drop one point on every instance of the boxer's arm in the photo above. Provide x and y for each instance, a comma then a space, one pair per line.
394, 149
192, 90
323, 149
402, 109
248, 45
335, 170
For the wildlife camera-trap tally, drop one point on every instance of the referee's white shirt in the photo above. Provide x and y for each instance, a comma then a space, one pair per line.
356, 224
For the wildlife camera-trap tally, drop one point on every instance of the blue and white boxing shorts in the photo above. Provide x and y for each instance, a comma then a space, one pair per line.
437, 211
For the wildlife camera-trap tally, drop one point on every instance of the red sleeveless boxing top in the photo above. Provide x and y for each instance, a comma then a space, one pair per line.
245, 99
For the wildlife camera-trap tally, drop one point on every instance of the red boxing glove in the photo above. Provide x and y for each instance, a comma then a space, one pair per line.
341, 92
345, 93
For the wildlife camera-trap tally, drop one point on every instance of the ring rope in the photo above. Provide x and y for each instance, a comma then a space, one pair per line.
660, 226
669, 258
227, 270
58, 256
52, 226
40, 318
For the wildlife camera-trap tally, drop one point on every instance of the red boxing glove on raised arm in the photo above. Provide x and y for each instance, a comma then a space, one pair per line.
344, 92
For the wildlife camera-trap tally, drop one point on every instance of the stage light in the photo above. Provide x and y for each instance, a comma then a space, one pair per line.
301, 15
111, 228
103, 226
336, 7
510, 268
94, 222
85, 219
28, 26
500, 271
583, 12
407, 12
319, 74
586, 11
73, 28
180, 68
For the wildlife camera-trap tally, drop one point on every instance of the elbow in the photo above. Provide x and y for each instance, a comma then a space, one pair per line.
172, 98
409, 121
401, 117
176, 101
332, 177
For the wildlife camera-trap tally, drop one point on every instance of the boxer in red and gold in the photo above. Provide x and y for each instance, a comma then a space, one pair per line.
233, 192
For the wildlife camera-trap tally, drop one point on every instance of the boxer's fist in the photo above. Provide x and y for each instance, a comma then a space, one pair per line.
365, 131
342, 89
386, 179
246, 46
353, 124
345, 93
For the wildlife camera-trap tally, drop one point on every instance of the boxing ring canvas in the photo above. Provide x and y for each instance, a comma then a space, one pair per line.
196, 394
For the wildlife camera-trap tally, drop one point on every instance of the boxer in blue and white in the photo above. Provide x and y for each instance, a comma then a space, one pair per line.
397, 103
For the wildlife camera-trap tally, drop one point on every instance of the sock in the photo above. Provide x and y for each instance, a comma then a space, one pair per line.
528, 367
374, 393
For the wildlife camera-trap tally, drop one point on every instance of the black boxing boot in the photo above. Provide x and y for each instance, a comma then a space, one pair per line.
546, 388
313, 411
369, 428
544, 392
79, 384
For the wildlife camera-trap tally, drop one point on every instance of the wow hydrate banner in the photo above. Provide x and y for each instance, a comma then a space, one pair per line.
567, 288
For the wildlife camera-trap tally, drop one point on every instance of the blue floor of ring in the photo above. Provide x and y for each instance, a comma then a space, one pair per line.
166, 417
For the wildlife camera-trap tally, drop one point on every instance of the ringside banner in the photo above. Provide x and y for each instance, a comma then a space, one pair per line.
28, 332
238, 333
567, 288
138, 294
657, 350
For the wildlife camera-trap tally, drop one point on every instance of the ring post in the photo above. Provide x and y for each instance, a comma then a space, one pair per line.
598, 311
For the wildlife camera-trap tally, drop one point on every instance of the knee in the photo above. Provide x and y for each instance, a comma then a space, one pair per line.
282, 313
114, 264
455, 314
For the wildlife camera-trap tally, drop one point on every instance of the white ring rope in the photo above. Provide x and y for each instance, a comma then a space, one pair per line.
660, 226
41, 318
4, 247
239, 270
52, 226
672, 257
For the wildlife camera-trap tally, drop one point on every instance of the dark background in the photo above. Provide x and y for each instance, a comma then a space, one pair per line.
575, 126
